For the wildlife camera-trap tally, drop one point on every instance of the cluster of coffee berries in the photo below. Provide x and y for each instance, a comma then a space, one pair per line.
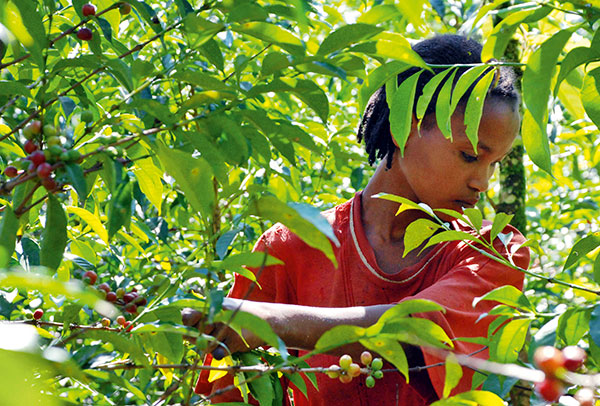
346, 370
554, 363
129, 301
44, 146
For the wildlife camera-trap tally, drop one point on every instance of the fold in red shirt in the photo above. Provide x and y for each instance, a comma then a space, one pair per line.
452, 275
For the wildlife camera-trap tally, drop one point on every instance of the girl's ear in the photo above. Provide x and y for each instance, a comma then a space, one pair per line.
414, 130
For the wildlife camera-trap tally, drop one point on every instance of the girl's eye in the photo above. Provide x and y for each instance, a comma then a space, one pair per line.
468, 157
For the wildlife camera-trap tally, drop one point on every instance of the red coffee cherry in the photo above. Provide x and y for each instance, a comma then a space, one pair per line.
354, 370
44, 170
548, 359
104, 286
30, 146
111, 297
90, 277
130, 308
128, 297
37, 158
366, 358
50, 184
88, 10
11, 171
124, 8
550, 389
574, 357
33, 128
84, 34
38, 314
121, 320
345, 378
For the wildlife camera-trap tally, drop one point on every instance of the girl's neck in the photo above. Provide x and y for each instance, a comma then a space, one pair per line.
379, 215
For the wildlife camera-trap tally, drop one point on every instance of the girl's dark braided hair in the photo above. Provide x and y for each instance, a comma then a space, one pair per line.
374, 128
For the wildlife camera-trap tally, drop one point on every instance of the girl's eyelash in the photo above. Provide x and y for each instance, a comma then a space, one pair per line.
467, 157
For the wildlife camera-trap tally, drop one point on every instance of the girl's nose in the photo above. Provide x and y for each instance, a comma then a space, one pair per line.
480, 179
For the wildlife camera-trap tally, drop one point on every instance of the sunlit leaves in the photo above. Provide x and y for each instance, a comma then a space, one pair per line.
536, 90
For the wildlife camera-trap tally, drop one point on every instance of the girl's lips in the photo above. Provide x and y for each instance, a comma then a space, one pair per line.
467, 203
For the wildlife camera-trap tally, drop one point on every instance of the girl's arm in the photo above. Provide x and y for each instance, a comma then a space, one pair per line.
298, 326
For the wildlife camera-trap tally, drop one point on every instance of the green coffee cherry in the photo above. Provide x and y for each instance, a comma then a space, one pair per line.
87, 116
50, 131
377, 374
370, 381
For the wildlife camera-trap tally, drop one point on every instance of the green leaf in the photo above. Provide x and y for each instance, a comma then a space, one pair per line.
125, 345
391, 46
242, 320
260, 387
417, 232
501, 220
536, 90
12, 88
23, 20
8, 235
168, 344
443, 114
390, 350
347, 35
508, 295
306, 90
475, 216
453, 374
408, 307
149, 178
77, 178
401, 110
314, 216
272, 33
54, 236
338, 336
581, 249
275, 210
377, 78
590, 95
193, 176
202, 80
428, 92
509, 340
573, 324
91, 220
451, 235
119, 207
405, 203
576, 57
495, 45
474, 108
465, 81
412, 330
472, 398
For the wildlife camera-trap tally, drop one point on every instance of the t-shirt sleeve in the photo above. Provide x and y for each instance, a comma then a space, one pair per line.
473, 275
272, 286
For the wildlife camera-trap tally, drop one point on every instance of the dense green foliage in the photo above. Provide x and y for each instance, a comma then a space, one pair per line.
183, 129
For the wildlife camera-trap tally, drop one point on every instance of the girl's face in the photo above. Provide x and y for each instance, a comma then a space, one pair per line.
450, 174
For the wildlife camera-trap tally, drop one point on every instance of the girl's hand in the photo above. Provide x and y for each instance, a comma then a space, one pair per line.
227, 341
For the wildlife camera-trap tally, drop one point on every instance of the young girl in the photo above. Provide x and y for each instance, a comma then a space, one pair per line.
307, 296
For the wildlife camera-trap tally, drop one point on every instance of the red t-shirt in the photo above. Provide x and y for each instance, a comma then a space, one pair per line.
452, 275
